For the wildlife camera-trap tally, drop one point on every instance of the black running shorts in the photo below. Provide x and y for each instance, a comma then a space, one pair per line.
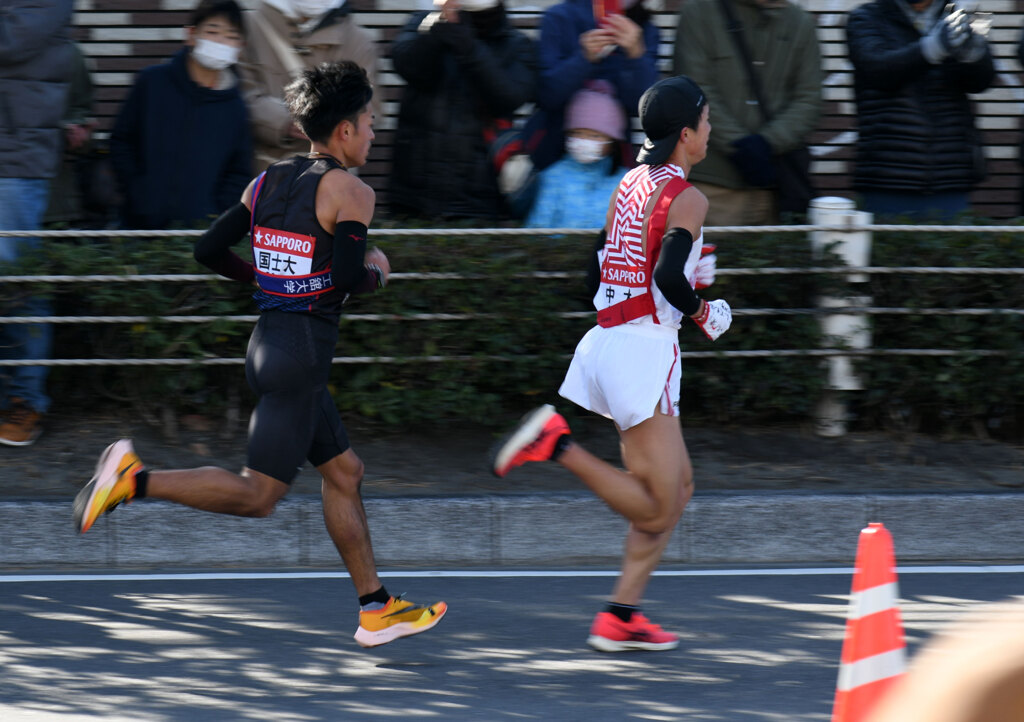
288, 364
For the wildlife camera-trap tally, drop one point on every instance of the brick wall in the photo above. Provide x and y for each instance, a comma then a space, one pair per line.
123, 36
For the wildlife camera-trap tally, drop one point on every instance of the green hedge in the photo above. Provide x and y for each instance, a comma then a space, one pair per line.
962, 394
523, 328
539, 343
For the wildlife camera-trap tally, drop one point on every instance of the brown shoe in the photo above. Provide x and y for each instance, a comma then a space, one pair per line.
22, 426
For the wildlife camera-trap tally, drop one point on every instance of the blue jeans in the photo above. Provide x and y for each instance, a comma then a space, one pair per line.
22, 204
915, 206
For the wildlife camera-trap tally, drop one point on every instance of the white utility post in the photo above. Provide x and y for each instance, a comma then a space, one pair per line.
849, 330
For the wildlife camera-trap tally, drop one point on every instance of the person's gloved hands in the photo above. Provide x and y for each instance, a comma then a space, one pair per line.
947, 37
972, 51
707, 267
976, 46
714, 319
457, 36
752, 157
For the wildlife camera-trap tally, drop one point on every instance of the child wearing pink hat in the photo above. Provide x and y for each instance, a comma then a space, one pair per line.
574, 191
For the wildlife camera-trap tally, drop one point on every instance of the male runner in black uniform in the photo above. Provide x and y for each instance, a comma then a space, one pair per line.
308, 220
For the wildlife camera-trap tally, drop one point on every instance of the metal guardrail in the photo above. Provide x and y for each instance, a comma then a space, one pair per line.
356, 360
395, 232
767, 271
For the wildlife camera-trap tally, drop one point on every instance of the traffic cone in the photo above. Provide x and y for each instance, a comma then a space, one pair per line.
874, 651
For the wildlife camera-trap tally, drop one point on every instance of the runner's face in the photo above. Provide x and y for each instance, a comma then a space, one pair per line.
699, 138
361, 138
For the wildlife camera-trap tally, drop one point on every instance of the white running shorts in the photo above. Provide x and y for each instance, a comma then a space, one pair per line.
626, 372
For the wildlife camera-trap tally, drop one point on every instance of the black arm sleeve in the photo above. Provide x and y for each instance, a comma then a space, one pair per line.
347, 264
213, 249
670, 271
593, 280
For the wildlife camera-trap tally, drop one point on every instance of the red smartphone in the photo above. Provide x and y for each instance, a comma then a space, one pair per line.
604, 8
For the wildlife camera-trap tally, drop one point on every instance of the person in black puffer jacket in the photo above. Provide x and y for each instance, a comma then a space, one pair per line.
918, 152
467, 70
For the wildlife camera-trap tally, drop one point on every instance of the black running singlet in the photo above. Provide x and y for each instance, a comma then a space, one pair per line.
291, 252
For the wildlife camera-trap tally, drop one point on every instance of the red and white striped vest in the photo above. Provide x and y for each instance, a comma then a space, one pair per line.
627, 290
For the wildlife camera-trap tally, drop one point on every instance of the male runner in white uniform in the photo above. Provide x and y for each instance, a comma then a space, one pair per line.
627, 367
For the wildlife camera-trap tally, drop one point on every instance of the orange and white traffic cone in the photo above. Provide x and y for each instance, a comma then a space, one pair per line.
874, 652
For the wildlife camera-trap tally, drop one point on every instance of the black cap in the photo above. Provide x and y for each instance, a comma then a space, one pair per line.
666, 108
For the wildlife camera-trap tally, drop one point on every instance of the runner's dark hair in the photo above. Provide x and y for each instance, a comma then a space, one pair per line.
326, 95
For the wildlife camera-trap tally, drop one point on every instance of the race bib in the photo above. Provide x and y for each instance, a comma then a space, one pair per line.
282, 254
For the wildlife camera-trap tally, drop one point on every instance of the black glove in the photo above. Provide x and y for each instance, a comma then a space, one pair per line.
753, 158
457, 36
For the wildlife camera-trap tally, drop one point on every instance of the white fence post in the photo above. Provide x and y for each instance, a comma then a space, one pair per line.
847, 329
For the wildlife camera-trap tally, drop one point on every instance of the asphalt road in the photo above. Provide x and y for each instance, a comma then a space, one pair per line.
758, 647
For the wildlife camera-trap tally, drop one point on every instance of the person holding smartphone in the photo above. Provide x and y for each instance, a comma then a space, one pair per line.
587, 40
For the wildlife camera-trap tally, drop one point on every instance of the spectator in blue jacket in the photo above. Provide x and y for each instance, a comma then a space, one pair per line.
575, 47
36, 56
181, 145
575, 191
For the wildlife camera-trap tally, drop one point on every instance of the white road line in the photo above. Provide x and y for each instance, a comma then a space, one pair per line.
470, 574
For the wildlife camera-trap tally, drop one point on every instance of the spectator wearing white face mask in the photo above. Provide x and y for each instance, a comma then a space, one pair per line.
574, 191
284, 38
181, 147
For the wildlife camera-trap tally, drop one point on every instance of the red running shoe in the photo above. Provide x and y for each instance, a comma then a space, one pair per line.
533, 439
608, 633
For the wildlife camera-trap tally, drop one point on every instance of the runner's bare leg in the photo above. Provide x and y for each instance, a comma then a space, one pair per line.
345, 518
210, 488
651, 495
647, 494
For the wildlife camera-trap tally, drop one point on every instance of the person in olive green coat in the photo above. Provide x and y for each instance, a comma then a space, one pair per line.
738, 175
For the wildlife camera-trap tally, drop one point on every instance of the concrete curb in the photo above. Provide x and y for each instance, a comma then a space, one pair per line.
553, 530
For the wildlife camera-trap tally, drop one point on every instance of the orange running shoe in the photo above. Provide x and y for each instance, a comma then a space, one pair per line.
113, 483
533, 439
398, 618
608, 633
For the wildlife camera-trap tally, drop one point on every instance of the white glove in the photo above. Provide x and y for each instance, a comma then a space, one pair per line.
715, 319
707, 267
514, 172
